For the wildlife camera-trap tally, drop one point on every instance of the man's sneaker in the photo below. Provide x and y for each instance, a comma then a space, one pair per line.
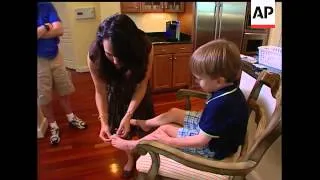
54, 138
77, 123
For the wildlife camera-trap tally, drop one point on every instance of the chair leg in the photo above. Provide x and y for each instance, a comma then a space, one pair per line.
238, 178
141, 176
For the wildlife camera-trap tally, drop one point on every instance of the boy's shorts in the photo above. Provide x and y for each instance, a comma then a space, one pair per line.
52, 74
191, 128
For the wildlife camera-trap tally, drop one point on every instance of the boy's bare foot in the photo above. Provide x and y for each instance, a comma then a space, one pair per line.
141, 124
123, 144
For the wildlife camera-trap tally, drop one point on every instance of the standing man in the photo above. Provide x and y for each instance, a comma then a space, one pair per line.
52, 73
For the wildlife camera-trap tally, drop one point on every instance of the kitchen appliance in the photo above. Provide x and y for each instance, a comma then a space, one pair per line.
172, 31
214, 20
251, 42
253, 37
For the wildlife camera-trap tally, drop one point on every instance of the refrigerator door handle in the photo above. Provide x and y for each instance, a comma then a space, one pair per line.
216, 14
220, 17
214, 34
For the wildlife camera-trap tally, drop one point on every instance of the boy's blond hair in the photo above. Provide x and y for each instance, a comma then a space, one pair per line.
217, 58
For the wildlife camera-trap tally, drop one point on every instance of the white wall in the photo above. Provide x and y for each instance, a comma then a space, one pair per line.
82, 32
275, 36
108, 8
148, 22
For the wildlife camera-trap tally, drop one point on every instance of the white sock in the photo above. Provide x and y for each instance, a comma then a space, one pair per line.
54, 125
70, 116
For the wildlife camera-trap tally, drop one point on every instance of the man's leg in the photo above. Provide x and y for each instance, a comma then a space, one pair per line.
128, 145
44, 97
65, 103
174, 115
65, 87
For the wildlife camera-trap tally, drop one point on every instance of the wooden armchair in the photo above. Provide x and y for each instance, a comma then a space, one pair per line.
159, 161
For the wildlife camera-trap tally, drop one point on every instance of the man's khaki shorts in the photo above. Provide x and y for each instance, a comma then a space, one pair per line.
52, 74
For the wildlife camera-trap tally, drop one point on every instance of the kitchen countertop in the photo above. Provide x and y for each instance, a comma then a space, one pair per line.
159, 38
257, 71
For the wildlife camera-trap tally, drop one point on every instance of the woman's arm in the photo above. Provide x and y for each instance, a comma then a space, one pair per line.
100, 92
140, 91
137, 97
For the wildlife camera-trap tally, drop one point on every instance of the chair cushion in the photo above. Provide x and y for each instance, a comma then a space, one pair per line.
172, 169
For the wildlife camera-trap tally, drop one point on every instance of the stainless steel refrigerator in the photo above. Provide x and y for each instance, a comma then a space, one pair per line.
219, 20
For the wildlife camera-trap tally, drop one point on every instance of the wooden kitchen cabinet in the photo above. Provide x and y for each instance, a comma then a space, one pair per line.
180, 70
129, 7
173, 6
171, 66
151, 7
162, 71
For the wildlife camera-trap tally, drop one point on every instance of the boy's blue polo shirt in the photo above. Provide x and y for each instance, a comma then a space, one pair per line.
226, 117
47, 48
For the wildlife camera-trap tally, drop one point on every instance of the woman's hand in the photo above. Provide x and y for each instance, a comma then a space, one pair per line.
124, 127
105, 134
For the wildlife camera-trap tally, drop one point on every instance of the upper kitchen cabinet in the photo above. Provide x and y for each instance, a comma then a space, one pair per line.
173, 6
130, 7
152, 6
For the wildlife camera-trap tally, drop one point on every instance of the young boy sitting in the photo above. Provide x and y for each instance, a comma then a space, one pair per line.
220, 128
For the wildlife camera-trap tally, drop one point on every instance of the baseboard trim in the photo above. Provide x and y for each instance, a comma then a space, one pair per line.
82, 69
43, 128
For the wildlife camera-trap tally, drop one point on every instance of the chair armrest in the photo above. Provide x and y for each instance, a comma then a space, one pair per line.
187, 93
197, 162
184, 93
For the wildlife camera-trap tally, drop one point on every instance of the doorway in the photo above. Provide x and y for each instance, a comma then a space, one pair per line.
66, 41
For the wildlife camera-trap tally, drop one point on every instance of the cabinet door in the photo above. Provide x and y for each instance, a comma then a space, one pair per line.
173, 6
181, 70
128, 7
151, 7
162, 72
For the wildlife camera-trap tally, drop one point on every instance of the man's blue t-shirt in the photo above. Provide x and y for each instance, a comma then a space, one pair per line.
225, 115
47, 48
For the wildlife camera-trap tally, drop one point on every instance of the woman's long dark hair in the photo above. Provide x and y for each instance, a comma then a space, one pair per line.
130, 45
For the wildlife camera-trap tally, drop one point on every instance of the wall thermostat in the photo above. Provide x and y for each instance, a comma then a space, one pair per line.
85, 13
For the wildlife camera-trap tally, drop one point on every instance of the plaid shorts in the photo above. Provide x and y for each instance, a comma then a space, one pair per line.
191, 128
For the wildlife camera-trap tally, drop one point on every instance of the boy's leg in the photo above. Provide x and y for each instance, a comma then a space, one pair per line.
128, 145
174, 115
65, 87
191, 128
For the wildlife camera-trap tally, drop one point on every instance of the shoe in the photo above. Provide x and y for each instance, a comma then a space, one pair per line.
77, 123
54, 138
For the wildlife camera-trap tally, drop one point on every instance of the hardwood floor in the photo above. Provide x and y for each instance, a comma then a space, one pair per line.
81, 155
